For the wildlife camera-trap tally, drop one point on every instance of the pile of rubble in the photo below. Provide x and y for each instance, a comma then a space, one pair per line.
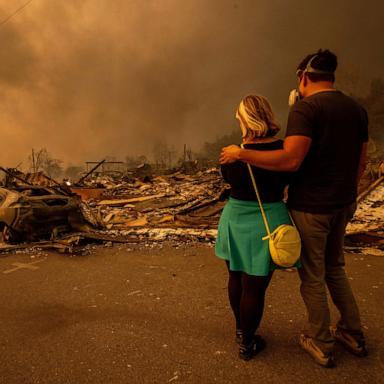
365, 232
140, 207
166, 207
174, 206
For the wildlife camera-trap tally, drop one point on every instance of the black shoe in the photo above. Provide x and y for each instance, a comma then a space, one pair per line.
246, 352
239, 336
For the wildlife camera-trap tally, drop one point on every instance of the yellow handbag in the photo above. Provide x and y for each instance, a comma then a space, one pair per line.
284, 241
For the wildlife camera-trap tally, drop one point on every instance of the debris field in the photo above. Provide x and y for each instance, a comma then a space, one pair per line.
36, 211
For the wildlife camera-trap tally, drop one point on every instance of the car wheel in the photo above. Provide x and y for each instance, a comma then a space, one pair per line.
10, 236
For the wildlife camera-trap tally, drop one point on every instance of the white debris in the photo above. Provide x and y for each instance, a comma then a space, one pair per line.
369, 215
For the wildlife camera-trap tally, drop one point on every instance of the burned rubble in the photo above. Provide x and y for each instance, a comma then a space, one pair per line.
365, 232
140, 206
173, 206
169, 206
43, 211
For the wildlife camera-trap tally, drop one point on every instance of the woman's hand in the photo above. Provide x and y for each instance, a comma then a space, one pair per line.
229, 154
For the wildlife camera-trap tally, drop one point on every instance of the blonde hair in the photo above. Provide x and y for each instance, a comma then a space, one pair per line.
256, 117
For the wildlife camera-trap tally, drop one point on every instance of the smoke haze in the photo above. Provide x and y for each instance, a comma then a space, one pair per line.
91, 78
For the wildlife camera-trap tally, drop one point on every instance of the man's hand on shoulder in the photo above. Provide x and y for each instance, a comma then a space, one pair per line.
229, 154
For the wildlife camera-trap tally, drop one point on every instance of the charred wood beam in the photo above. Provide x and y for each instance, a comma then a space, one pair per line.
370, 188
90, 172
9, 173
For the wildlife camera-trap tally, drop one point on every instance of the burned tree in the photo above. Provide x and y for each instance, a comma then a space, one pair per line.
42, 160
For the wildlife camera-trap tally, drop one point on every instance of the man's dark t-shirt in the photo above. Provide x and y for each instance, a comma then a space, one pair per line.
270, 184
327, 178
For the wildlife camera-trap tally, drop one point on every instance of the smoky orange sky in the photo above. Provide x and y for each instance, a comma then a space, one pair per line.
92, 78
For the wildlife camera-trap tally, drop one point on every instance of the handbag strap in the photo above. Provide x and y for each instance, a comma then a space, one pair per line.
258, 197
259, 201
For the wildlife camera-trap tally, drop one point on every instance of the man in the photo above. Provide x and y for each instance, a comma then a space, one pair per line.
325, 145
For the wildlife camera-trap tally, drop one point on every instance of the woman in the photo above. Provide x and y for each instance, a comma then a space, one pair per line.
241, 227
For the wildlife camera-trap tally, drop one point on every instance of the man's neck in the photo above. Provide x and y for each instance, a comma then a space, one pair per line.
320, 86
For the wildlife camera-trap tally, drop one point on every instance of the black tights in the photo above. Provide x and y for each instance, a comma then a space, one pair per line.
246, 295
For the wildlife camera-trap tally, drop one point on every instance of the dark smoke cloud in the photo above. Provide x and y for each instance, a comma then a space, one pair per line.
94, 78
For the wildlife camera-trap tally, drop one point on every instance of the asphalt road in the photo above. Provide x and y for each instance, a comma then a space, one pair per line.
121, 315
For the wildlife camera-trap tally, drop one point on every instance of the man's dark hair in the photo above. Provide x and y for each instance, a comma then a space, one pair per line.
323, 60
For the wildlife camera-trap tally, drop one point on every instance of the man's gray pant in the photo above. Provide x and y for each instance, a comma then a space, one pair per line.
322, 259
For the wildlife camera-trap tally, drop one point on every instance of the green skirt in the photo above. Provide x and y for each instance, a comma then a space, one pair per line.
240, 233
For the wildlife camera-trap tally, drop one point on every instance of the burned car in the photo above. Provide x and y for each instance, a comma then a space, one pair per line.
29, 213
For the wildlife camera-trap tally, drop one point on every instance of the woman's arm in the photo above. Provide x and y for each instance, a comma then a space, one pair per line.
287, 159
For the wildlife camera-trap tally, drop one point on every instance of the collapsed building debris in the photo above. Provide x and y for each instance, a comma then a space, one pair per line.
177, 206
365, 232
169, 206
180, 206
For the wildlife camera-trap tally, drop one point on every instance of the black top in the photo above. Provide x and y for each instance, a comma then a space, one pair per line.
338, 126
269, 184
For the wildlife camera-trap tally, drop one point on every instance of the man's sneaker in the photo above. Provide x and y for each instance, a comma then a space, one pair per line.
326, 360
354, 345
246, 352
